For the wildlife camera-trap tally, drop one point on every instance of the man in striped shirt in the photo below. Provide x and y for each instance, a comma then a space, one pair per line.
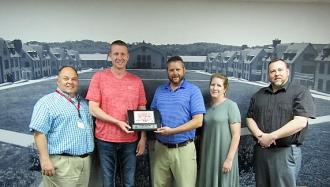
181, 106
62, 128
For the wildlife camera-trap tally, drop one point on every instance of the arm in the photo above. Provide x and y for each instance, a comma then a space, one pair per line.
96, 111
253, 127
292, 127
257, 133
47, 166
143, 139
195, 122
235, 137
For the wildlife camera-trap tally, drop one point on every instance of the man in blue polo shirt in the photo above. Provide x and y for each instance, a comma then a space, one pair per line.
181, 106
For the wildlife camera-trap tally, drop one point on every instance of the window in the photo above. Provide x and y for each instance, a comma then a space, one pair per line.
320, 84
328, 68
321, 68
27, 64
308, 69
139, 58
6, 64
328, 86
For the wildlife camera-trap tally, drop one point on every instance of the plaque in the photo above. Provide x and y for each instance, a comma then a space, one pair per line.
144, 120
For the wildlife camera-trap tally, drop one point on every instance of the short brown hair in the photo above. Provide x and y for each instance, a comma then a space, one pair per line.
278, 59
118, 42
175, 59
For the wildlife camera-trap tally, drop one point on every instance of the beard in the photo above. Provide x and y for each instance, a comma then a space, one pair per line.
278, 84
175, 82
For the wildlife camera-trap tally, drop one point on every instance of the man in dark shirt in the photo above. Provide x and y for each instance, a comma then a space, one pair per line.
277, 118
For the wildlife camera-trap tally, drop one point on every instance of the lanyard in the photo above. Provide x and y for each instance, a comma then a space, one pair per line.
71, 101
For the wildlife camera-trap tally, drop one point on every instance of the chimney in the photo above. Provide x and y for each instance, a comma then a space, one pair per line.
244, 47
18, 45
276, 42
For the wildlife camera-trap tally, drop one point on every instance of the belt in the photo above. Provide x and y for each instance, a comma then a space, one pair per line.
170, 145
81, 156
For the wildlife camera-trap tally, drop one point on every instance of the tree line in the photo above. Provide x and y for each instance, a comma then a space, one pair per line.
90, 47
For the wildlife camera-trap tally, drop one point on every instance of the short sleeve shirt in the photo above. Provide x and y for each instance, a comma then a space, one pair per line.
178, 107
57, 118
115, 97
272, 110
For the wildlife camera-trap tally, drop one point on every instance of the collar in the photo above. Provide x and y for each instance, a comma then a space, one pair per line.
67, 95
183, 85
284, 88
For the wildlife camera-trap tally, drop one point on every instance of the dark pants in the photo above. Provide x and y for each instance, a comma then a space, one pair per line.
277, 167
109, 153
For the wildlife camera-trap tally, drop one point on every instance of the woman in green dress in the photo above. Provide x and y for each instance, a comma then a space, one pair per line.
221, 135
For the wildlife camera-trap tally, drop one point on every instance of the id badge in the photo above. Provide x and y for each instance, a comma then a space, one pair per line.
80, 124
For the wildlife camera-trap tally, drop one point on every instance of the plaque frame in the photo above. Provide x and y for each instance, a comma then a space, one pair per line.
144, 120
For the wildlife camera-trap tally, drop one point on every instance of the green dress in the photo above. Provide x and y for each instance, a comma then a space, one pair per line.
215, 146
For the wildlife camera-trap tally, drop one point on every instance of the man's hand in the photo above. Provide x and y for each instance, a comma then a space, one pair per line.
47, 167
141, 146
124, 127
165, 131
266, 140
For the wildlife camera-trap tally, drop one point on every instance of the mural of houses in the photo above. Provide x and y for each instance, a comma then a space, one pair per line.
95, 61
227, 64
31, 63
211, 62
74, 57
57, 59
322, 73
44, 58
194, 62
252, 63
300, 57
15, 61
5, 70
146, 56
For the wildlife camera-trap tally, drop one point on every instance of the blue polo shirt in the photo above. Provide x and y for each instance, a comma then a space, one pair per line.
177, 107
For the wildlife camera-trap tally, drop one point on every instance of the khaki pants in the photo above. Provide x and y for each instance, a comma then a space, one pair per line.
70, 172
174, 166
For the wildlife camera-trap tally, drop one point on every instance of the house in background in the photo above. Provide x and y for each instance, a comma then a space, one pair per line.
57, 59
252, 63
227, 63
211, 62
94, 61
4, 62
74, 57
300, 57
322, 73
194, 62
31, 65
44, 58
15, 62
146, 56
